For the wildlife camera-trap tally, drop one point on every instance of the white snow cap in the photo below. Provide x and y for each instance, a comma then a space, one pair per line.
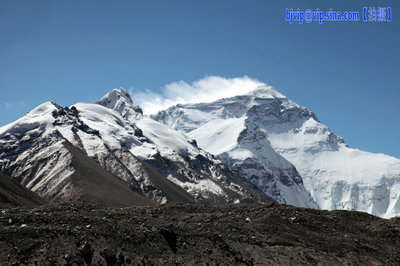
41, 116
208, 89
120, 101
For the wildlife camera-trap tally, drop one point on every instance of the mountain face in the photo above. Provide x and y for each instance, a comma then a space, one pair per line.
91, 152
224, 129
279, 145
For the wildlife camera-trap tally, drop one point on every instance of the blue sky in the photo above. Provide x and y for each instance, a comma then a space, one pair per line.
70, 51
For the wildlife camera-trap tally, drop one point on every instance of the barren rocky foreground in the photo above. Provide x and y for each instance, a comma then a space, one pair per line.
252, 234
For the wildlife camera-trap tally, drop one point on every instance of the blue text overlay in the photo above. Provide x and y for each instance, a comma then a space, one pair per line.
368, 14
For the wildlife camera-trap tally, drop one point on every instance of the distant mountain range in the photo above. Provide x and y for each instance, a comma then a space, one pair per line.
257, 147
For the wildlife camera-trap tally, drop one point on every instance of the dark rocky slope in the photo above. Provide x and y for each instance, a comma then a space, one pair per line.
249, 234
96, 185
14, 194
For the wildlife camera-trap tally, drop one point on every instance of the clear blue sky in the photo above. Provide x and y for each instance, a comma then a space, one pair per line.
69, 51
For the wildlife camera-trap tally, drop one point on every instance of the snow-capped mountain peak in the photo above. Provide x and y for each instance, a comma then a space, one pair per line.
120, 101
116, 95
336, 176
